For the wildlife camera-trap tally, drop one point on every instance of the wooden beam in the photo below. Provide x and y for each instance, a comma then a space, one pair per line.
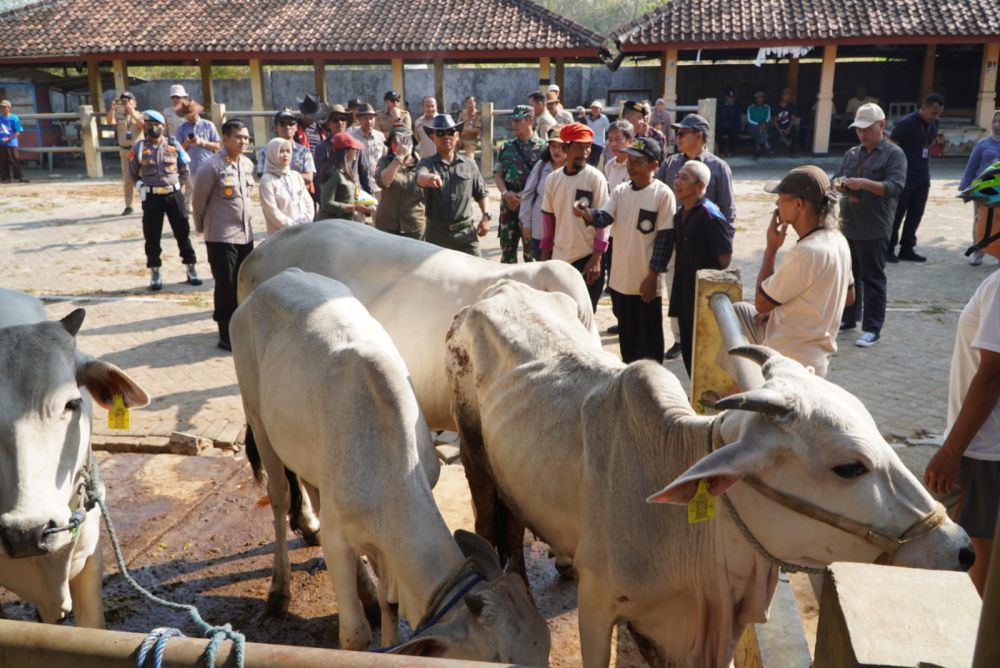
987, 103
669, 67
319, 79
544, 73
207, 83
94, 85
120, 68
257, 101
927, 79
439, 84
399, 79
793, 76
561, 78
824, 101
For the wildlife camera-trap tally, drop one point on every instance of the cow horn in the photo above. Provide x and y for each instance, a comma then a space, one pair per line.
766, 401
73, 321
754, 353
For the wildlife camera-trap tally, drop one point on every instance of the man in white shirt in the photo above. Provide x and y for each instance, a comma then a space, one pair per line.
543, 119
425, 145
599, 123
178, 96
373, 140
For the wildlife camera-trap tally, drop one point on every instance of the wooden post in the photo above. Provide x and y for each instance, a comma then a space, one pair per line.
670, 77
439, 84
121, 76
91, 140
319, 79
207, 83
988, 86
257, 102
399, 80
824, 101
793, 76
706, 109
544, 72
218, 114
561, 78
927, 79
486, 137
94, 84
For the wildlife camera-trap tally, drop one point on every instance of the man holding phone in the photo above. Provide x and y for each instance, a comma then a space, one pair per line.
401, 210
199, 138
128, 124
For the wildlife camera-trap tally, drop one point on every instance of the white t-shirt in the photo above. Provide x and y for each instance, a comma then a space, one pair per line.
810, 285
978, 329
573, 238
615, 172
638, 215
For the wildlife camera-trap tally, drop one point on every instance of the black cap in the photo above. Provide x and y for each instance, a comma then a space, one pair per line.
809, 182
392, 95
692, 122
646, 147
354, 104
635, 105
285, 115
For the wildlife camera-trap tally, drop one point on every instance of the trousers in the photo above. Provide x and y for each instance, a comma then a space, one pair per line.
597, 287
640, 327
868, 268
225, 260
10, 164
153, 210
912, 202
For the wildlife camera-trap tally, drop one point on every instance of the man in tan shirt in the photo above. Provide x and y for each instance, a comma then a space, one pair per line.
425, 145
221, 203
393, 114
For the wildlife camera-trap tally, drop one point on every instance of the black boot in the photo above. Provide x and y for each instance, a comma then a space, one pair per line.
224, 336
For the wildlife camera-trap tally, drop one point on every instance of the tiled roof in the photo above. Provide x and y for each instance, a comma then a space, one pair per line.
730, 22
408, 28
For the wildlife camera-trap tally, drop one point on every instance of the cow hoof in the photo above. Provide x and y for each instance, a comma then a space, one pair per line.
277, 604
566, 570
311, 538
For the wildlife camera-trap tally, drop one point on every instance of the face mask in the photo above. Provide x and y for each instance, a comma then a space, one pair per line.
154, 132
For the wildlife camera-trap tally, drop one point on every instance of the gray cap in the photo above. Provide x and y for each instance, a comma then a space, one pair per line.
692, 122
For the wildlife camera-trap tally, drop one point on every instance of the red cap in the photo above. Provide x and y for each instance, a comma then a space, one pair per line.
342, 140
576, 132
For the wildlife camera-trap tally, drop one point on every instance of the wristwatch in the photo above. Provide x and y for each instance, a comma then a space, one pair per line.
487, 216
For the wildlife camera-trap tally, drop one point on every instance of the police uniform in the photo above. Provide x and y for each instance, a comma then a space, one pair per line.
159, 170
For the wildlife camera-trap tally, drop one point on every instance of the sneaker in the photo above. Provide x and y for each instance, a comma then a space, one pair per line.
673, 352
224, 345
155, 282
976, 259
909, 255
192, 275
127, 211
613, 329
867, 340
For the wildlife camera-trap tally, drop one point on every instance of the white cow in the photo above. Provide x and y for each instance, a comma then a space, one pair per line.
327, 395
412, 288
573, 441
46, 386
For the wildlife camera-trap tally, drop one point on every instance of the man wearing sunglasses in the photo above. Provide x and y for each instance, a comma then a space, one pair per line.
285, 126
452, 182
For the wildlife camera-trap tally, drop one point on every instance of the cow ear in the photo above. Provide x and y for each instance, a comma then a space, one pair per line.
475, 603
430, 646
722, 469
104, 380
73, 321
481, 552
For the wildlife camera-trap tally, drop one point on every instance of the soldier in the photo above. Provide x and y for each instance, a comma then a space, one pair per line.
159, 166
513, 166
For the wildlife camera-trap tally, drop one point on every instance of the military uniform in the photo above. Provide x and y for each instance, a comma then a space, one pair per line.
159, 170
384, 122
450, 222
514, 163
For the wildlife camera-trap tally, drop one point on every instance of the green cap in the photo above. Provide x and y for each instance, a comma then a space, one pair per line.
521, 111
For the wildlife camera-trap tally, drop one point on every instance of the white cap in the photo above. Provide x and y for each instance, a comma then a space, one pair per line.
177, 90
597, 103
553, 88
867, 115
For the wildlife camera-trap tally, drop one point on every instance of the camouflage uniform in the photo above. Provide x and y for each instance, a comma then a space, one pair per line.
514, 164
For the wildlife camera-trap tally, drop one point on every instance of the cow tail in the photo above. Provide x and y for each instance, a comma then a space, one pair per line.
253, 456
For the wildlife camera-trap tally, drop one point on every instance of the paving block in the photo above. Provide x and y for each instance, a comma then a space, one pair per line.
884, 616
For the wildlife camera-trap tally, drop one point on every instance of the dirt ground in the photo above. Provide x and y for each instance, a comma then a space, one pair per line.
192, 527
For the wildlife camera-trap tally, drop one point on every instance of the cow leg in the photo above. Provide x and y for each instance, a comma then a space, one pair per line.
307, 520
368, 594
390, 612
342, 565
85, 591
481, 485
279, 491
511, 547
596, 623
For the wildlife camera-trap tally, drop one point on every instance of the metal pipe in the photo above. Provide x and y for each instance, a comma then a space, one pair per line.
32, 644
747, 373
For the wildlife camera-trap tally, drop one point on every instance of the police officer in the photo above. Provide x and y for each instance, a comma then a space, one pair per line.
159, 165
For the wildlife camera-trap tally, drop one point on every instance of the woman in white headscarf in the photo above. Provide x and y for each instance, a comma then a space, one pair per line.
283, 193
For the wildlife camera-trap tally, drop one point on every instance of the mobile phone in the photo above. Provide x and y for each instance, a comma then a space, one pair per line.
190, 135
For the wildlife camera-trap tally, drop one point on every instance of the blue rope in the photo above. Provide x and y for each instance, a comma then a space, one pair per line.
216, 634
157, 641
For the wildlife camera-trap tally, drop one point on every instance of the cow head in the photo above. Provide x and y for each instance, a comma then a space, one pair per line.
813, 440
46, 391
496, 621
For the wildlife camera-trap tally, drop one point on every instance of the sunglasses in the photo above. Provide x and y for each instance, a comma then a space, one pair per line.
445, 133
288, 124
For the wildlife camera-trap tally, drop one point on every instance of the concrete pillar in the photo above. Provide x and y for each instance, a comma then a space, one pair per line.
824, 101
561, 78
707, 110
486, 137
987, 643
669, 68
95, 86
319, 79
544, 72
207, 83
218, 115
439, 84
120, 68
91, 140
793, 75
257, 102
399, 79
927, 78
988, 86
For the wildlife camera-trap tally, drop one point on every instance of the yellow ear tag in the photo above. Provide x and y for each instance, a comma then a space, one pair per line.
701, 507
118, 415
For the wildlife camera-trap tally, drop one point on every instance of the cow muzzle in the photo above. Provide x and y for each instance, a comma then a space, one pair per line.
19, 543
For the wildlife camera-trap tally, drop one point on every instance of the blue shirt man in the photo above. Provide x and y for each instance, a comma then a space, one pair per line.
190, 132
10, 128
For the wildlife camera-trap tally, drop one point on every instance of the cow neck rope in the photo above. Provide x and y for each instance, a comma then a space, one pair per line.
866, 532
82, 501
160, 635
